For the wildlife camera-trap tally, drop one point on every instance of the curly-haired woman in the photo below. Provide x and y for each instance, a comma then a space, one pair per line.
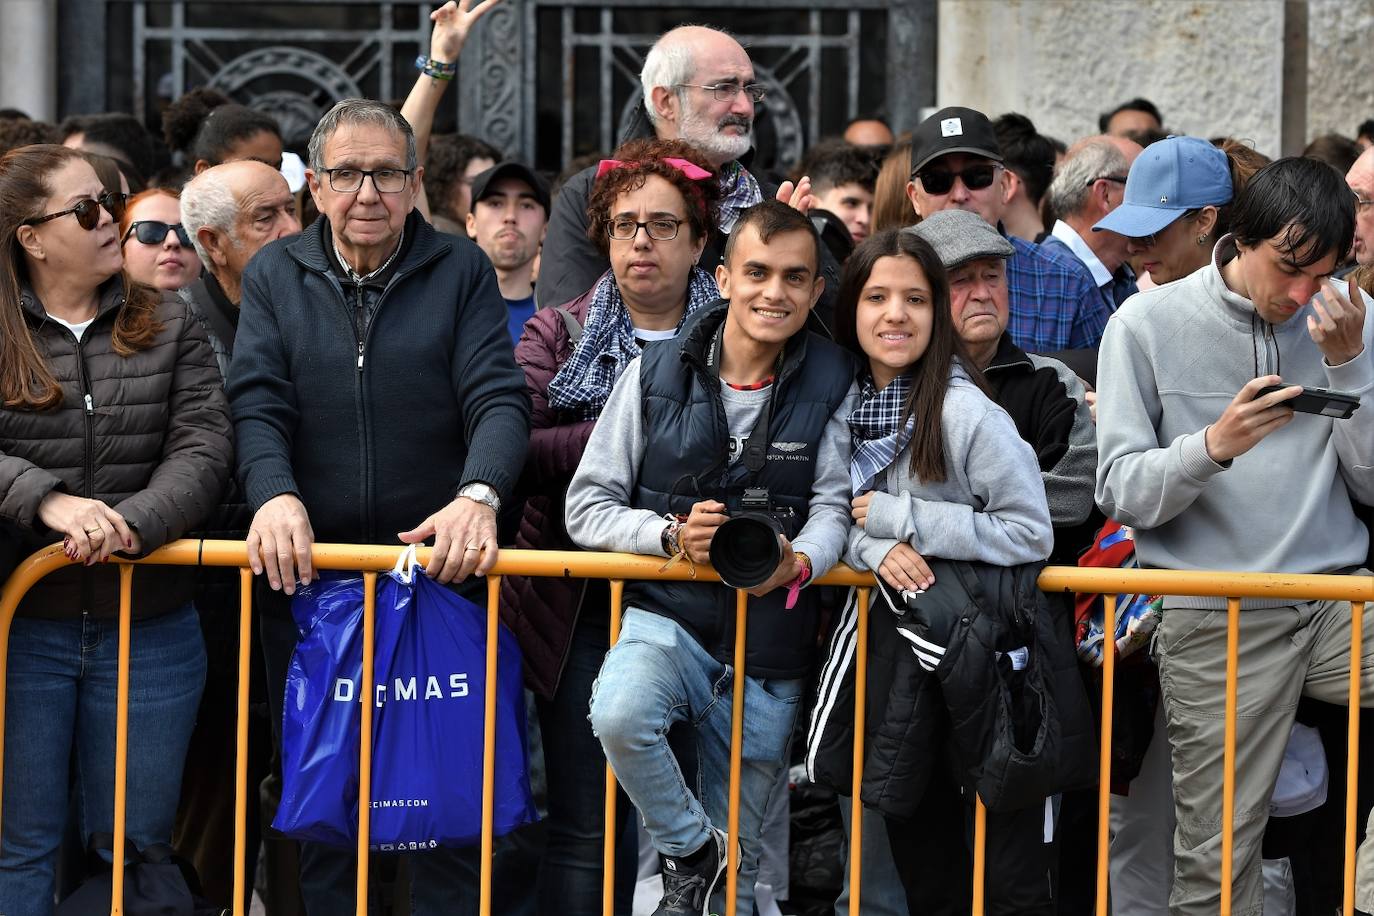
650, 211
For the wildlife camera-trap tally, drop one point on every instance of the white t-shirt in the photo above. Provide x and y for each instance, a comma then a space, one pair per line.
77, 329
647, 336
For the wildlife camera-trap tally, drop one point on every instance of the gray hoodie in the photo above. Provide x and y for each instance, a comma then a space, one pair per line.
1172, 359
990, 507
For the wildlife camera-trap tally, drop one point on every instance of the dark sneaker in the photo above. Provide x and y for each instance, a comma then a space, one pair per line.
687, 888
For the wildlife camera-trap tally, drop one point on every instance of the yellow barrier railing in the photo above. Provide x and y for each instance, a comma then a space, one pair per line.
618, 568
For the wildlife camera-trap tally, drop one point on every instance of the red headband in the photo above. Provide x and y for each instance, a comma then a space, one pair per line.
690, 169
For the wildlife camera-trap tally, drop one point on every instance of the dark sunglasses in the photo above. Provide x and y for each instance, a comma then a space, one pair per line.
975, 178
88, 211
154, 232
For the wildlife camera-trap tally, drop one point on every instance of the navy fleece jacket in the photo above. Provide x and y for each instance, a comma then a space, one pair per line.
375, 436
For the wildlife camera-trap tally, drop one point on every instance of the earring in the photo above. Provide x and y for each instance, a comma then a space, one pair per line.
1202, 240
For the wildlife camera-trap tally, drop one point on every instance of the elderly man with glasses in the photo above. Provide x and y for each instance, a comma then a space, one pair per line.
375, 400
699, 85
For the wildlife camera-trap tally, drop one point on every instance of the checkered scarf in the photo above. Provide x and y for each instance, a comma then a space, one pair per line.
608, 343
877, 432
738, 192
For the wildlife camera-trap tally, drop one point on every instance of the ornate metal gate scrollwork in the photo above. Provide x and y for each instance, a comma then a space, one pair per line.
546, 80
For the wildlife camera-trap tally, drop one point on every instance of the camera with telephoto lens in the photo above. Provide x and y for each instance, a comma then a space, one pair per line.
745, 549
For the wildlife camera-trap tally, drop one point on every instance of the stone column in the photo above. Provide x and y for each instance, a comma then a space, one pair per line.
28, 57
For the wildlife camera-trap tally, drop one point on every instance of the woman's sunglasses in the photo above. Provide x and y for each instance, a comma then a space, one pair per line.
154, 232
88, 211
974, 177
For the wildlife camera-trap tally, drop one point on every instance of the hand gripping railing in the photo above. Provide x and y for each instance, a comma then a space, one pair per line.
618, 568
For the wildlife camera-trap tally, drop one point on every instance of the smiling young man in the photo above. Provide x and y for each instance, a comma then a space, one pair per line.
743, 398
1211, 480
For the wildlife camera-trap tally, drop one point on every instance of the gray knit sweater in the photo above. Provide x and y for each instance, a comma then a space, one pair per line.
1171, 361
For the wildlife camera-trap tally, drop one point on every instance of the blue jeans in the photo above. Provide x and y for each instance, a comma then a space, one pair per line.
570, 872
883, 894
657, 675
60, 711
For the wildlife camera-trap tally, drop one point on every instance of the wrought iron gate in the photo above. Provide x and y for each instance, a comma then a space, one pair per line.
544, 79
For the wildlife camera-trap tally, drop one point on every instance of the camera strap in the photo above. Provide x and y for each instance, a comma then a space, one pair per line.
754, 453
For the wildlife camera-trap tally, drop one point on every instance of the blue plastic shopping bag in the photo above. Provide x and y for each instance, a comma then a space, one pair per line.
428, 702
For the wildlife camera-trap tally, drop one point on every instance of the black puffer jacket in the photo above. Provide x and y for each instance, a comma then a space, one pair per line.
148, 434
1016, 736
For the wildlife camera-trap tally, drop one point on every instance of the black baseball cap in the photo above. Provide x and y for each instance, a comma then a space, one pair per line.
953, 130
512, 169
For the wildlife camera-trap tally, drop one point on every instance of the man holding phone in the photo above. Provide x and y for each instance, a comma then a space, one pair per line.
1243, 482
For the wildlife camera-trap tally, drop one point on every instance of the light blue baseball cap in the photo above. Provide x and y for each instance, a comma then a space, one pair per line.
1169, 178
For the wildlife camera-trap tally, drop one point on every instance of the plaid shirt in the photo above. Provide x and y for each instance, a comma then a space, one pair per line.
1054, 303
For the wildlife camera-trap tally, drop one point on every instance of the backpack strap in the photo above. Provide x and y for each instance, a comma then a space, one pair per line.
572, 324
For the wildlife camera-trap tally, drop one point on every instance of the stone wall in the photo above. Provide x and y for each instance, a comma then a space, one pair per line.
1340, 93
1212, 66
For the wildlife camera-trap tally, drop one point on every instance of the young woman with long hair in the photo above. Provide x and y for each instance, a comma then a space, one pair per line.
938, 471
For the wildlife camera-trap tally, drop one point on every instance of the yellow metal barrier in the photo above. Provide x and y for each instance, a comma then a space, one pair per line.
618, 568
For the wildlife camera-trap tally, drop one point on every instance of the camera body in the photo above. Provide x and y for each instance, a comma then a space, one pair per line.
757, 501
745, 550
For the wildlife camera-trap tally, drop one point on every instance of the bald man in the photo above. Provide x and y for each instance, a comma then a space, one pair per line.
230, 211
699, 85
868, 132
1361, 181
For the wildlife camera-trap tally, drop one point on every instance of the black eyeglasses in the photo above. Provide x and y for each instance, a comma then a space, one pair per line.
974, 177
154, 232
660, 230
386, 181
726, 92
1114, 179
88, 211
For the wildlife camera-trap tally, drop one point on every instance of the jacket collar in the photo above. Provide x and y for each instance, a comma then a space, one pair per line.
311, 247
700, 330
1009, 357
111, 298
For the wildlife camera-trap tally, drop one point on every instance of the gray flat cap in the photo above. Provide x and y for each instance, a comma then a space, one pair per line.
959, 236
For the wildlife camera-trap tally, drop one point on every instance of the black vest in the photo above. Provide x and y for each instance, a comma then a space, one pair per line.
687, 440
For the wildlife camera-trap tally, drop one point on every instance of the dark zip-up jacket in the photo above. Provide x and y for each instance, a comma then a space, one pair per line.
1046, 401
374, 432
1015, 734
146, 433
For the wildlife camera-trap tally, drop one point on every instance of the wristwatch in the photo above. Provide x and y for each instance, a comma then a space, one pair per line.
484, 494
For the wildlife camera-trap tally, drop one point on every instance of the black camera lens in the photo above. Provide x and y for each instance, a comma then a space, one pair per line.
746, 550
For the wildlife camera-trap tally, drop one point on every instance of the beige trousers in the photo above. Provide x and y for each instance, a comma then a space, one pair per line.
1285, 653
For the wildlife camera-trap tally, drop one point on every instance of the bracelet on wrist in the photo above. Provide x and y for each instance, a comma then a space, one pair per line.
436, 69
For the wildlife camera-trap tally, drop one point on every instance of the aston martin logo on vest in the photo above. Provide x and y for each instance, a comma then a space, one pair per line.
788, 451
407, 689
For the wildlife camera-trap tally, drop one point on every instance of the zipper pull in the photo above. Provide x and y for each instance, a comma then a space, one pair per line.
360, 360
90, 405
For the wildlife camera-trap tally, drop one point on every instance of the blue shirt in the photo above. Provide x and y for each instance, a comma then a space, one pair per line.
1053, 301
518, 311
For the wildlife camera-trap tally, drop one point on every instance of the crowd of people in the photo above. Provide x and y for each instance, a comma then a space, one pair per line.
945, 358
